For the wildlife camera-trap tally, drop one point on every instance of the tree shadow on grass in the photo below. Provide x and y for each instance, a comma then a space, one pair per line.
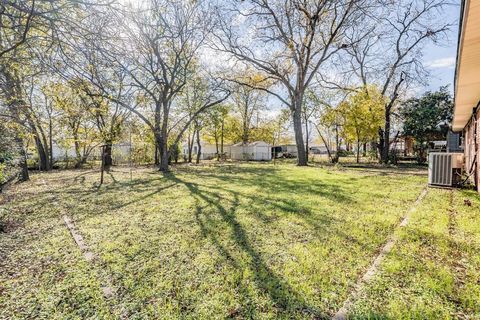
112, 176
272, 178
282, 295
79, 189
324, 225
145, 196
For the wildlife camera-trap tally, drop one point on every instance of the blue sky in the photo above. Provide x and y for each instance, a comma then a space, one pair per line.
440, 60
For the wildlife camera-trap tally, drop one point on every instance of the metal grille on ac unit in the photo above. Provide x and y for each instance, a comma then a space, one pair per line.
444, 168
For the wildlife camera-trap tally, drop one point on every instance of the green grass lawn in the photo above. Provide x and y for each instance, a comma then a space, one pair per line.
235, 241
434, 270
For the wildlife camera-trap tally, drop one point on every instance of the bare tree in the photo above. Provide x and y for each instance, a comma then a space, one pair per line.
20, 18
197, 94
289, 42
81, 60
310, 109
164, 38
161, 45
389, 55
246, 102
109, 116
328, 121
16, 20
215, 127
25, 30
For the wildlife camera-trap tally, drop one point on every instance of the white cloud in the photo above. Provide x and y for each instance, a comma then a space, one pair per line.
442, 63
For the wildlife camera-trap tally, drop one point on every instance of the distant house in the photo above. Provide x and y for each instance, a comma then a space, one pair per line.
466, 115
255, 151
396, 145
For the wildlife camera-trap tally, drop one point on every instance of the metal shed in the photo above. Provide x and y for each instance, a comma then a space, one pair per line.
255, 151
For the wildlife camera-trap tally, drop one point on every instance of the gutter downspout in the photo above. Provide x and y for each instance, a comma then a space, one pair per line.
463, 5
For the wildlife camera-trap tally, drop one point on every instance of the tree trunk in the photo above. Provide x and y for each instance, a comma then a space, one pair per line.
23, 176
329, 152
39, 137
39, 144
358, 151
161, 134
50, 141
78, 164
221, 136
217, 146
358, 144
307, 136
190, 151
163, 148
380, 144
297, 127
164, 158
108, 161
42, 154
44, 141
156, 161
385, 139
246, 125
199, 146
245, 136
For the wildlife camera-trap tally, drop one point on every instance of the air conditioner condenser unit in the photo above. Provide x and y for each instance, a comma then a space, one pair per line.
445, 168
